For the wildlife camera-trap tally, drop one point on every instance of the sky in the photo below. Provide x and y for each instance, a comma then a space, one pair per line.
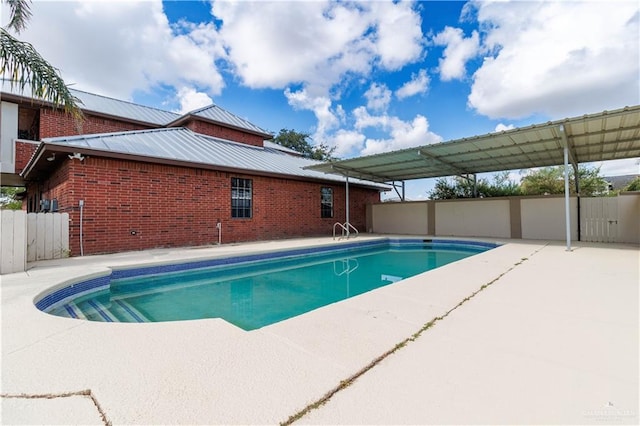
363, 77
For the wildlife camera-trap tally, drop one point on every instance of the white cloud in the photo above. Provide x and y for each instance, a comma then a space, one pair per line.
419, 83
274, 44
378, 97
399, 36
402, 134
328, 119
630, 166
190, 99
560, 59
457, 52
500, 127
319, 44
347, 142
115, 48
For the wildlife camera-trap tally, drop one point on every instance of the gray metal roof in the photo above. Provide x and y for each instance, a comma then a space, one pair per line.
608, 135
117, 108
221, 115
104, 105
273, 145
178, 145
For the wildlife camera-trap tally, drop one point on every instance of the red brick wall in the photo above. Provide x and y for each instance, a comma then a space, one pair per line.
169, 206
55, 123
222, 132
24, 151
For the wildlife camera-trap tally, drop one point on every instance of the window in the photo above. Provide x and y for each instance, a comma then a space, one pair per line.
241, 195
326, 202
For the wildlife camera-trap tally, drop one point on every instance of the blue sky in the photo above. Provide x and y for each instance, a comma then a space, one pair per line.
365, 77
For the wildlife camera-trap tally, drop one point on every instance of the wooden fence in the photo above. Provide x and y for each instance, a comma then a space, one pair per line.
27, 237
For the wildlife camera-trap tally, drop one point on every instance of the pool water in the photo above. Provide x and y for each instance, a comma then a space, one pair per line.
256, 294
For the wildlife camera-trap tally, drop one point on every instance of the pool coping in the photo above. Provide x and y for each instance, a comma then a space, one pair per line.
173, 371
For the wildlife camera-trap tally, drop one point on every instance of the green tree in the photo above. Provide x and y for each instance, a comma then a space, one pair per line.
550, 180
24, 67
547, 180
299, 141
460, 187
634, 185
8, 199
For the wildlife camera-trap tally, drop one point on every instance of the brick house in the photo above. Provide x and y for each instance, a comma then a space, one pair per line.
133, 177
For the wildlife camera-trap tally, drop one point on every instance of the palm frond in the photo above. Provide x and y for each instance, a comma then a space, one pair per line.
23, 66
20, 14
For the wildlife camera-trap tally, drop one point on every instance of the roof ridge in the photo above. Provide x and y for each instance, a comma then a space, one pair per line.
114, 134
194, 111
221, 140
214, 105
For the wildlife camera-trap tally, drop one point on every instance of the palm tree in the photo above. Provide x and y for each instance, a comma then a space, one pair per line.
24, 67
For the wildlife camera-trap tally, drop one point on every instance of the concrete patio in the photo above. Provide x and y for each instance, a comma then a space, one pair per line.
522, 334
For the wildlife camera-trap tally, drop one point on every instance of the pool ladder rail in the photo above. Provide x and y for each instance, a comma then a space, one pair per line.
345, 227
346, 266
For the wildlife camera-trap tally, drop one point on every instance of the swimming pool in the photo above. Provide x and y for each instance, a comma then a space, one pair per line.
253, 291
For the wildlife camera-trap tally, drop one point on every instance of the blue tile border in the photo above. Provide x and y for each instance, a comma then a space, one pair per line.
63, 295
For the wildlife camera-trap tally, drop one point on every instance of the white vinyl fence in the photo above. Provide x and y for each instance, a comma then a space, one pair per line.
27, 237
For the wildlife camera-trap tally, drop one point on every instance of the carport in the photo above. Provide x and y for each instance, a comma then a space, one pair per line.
604, 136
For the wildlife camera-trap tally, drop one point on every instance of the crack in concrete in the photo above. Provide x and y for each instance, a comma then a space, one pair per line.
85, 392
348, 381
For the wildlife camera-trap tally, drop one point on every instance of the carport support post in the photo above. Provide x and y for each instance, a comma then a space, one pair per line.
567, 211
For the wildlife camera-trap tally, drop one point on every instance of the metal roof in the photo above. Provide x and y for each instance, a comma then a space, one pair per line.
115, 107
135, 112
221, 115
103, 105
608, 135
273, 145
180, 146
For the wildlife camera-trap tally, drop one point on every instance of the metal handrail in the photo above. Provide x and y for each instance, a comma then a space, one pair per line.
346, 266
352, 227
345, 229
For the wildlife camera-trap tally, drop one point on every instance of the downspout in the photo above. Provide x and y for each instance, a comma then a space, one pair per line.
347, 201
81, 203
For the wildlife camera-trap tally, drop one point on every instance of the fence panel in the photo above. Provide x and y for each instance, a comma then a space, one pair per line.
48, 236
13, 229
599, 219
30, 237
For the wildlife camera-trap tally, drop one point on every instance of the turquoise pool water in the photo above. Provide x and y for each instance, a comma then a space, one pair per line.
259, 293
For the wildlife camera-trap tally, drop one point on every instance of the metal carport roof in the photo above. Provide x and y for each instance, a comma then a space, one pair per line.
608, 135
